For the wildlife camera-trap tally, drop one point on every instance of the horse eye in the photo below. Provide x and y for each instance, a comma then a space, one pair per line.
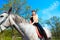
2, 16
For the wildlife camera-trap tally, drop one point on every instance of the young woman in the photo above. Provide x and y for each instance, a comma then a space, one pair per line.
34, 21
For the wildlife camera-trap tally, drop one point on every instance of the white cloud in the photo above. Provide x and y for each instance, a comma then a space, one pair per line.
54, 6
48, 11
51, 7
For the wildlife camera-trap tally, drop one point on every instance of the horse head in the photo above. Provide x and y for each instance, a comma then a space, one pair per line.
3, 18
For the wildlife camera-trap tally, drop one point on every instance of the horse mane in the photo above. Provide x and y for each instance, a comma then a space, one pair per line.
20, 19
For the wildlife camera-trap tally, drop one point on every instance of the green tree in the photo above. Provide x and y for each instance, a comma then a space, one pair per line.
19, 7
54, 22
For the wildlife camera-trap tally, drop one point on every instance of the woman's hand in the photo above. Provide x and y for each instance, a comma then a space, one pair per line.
33, 23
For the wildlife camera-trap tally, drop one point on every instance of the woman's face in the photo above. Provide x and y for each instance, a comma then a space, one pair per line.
33, 13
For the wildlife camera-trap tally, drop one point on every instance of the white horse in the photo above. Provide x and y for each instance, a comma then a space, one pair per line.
21, 25
28, 31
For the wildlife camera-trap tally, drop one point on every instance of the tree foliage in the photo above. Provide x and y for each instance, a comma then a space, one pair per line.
19, 7
54, 22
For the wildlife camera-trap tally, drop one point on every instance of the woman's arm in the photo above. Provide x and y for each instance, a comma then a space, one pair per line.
35, 18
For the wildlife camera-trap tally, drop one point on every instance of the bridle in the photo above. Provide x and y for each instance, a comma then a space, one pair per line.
4, 20
7, 16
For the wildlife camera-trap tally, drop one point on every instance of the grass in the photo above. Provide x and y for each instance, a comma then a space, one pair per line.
9, 35
14, 35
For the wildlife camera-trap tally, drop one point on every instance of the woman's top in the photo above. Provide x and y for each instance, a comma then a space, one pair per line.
34, 19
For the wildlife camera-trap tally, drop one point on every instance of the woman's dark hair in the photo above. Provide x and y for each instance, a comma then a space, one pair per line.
33, 11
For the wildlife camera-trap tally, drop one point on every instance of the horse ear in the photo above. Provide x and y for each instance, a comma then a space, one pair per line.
10, 10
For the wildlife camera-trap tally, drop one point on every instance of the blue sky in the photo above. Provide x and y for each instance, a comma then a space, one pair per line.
47, 8
2, 2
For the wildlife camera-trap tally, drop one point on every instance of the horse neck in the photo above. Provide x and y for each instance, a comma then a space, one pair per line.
19, 19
